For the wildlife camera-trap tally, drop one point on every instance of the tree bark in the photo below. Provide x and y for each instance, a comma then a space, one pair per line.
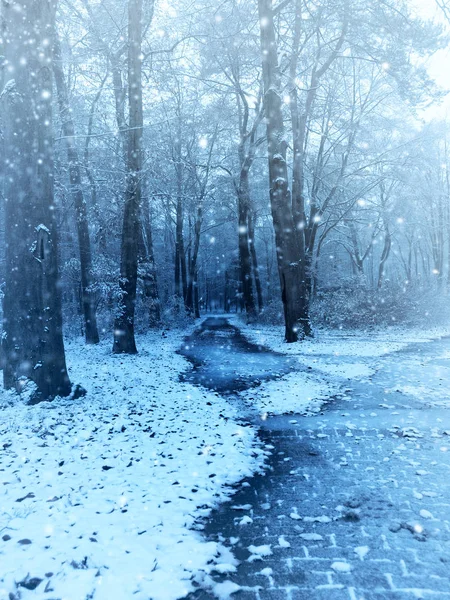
245, 259
290, 267
255, 267
32, 344
192, 272
180, 254
385, 254
76, 186
149, 269
124, 340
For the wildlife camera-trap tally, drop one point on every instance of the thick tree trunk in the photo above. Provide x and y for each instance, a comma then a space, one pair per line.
84, 242
290, 267
32, 321
124, 341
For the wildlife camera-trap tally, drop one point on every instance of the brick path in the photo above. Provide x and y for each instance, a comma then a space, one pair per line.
355, 504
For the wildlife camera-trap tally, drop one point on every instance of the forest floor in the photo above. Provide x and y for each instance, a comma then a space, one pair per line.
108, 496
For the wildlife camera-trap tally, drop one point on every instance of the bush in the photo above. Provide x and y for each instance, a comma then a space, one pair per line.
354, 305
272, 314
174, 315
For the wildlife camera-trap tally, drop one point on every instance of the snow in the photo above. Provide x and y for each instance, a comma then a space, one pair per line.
334, 358
263, 550
311, 537
107, 488
259, 552
223, 590
224, 568
283, 543
296, 392
106, 494
355, 344
341, 567
362, 551
294, 515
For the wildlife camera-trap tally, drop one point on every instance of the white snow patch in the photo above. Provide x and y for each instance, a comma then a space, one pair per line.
311, 537
321, 519
242, 507
341, 567
283, 543
362, 551
259, 552
425, 514
224, 568
223, 590
296, 392
263, 551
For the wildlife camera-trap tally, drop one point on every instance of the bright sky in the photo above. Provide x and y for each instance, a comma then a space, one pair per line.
439, 64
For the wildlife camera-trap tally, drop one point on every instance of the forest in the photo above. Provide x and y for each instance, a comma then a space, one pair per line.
190, 157
200, 199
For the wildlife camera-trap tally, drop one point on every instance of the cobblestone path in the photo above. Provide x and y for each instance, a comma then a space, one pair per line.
355, 503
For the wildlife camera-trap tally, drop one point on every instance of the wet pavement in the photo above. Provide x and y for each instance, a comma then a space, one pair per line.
355, 502
226, 362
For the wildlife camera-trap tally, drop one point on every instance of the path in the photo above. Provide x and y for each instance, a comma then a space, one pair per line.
356, 501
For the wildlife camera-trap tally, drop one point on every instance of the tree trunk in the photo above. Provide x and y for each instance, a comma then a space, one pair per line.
149, 269
84, 242
245, 259
384, 255
180, 255
124, 341
290, 267
196, 297
32, 345
251, 236
190, 294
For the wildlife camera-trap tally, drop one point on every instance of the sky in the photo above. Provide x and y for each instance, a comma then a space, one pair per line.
439, 63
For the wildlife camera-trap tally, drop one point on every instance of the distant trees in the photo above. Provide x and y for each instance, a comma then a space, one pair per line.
76, 185
249, 156
32, 345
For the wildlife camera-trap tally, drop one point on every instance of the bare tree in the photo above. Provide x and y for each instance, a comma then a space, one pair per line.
76, 185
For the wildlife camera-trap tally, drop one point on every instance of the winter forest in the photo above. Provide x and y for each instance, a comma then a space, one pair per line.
225, 284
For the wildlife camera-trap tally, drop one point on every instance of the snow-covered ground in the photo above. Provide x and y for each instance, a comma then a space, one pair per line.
334, 358
356, 344
98, 495
296, 392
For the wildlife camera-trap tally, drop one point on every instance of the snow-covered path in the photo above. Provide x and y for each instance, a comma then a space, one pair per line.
356, 504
